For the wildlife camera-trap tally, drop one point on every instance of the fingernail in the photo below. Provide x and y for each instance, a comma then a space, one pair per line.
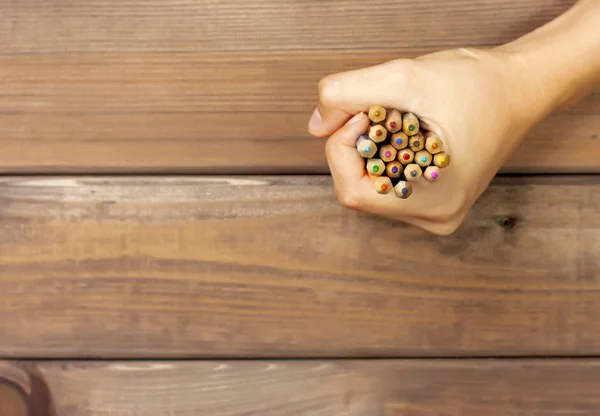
315, 121
354, 119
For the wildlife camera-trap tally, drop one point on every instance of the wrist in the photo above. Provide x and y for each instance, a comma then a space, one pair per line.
558, 63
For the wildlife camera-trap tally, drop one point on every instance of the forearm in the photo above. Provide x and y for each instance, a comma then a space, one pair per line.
560, 60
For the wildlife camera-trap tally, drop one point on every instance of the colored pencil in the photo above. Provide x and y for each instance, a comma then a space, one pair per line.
393, 122
394, 169
377, 114
417, 142
366, 147
398, 153
375, 167
378, 133
441, 160
387, 153
399, 140
410, 124
383, 185
433, 144
431, 174
406, 156
423, 158
403, 189
413, 172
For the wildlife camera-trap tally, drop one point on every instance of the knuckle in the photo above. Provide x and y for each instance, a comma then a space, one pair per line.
328, 90
404, 70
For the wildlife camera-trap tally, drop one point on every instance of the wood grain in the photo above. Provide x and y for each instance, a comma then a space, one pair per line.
57, 26
273, 267
327, 387
164, 113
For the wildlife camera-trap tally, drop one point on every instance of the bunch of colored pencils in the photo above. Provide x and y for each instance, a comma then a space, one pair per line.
399, 153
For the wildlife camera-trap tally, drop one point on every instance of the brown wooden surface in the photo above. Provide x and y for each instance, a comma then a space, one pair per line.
55, 26
274, 267
349, 388
145, 86
238, 267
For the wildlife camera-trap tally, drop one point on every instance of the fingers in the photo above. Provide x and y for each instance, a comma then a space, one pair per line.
433, 212
353, 186
345, 163
391, 84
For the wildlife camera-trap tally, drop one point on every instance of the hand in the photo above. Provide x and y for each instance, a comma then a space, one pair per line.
481, 103
472, 99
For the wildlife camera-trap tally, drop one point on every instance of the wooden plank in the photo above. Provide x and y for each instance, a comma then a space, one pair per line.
55, 26
329, 387
149, 113
274, 267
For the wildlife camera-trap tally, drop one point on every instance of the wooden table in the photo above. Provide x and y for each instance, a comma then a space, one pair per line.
146, 271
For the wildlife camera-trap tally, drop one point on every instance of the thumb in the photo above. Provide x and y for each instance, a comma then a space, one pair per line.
342, 95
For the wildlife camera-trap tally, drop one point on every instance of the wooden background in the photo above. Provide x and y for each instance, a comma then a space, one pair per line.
158, 259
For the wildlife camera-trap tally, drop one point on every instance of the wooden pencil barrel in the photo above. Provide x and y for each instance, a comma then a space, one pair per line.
441, 160
406, 156
383, 185
399, 140
375, 167
431, 174
393, 121
410, 124
417, 142
387, 153
377, 114
366, 147
403, 189
433, 144
378, 133
423, 158
413, 172
394, 169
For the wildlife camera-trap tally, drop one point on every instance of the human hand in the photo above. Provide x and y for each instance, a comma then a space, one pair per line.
477, 101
